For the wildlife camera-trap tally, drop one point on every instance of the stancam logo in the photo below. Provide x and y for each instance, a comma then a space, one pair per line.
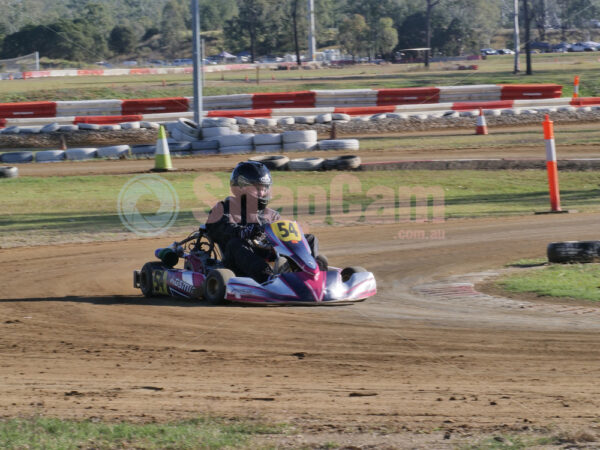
344, 203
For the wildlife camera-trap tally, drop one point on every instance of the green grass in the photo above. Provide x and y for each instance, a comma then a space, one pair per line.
205, 433
88, 204
577, 281
512, 442
548, 68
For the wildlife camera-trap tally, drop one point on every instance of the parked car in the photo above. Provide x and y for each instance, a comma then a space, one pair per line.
583, 47
561, 48
506, 51
488, 51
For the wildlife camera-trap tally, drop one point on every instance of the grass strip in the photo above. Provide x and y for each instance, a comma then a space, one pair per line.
548, 68
576, 281
204, 433
88, 204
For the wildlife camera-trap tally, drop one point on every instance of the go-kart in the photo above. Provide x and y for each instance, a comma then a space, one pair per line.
299, 278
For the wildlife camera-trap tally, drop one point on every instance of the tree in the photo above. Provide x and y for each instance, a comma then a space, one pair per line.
386, 36
172, 27
250, 26
352, 33
296, 13
122, 39
372, 11
428, 12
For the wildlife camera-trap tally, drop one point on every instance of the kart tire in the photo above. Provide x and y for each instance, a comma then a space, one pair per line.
574, 252
346, 162
8, 172
313, 163
215, 285
275, 162
349, 271
146, 283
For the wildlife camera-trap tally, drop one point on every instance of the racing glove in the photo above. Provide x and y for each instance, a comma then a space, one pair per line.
251, 231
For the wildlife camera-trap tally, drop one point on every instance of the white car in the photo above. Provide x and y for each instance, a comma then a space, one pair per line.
506, 51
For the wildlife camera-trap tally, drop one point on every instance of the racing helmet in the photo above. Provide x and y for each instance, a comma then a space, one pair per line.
252, 174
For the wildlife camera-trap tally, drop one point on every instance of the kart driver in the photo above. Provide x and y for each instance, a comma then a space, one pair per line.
239, 219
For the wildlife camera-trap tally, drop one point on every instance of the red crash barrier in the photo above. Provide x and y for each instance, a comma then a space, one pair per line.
240, 113
530, 91
90, 72
364, 110
27, 109
408, 96
36, 74
585, 101
467, 106
302, 99
108, 120
154, 105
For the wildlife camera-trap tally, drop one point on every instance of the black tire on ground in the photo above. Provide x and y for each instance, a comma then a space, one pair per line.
574, 252
349, 271
215, 285
146, 281
274, 162
8, 172
346, 162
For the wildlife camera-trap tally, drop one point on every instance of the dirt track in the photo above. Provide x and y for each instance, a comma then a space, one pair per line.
399, 370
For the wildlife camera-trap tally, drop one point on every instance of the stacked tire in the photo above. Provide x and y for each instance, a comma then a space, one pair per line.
296, 141
186, 130
269, 142
273, 162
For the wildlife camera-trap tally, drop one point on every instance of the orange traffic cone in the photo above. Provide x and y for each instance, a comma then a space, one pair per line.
481, 124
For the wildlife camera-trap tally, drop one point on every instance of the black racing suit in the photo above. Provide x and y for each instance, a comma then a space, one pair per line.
226, 224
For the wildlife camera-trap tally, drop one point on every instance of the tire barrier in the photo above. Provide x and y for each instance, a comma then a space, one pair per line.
8, 172
10, 130
218, 122
236, 140
313, 163
179, 135
215, 132
245, 121
574, 252
50, 156
131, 126
68, 128
289, 137
267, 139
88, 126
80, 154
346, 162
30, 130
339, 144
16, 157
275, 162
306, 120
266, 122
115, 151
50, 128
116, 127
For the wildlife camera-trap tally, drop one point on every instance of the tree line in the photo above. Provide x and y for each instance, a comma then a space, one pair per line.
92, 30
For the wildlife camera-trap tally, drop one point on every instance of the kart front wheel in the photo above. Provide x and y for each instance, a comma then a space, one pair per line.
215, 285
349, 271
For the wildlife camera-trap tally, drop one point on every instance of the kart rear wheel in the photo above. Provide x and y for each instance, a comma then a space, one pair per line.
349, 271
146, 282
215, 285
